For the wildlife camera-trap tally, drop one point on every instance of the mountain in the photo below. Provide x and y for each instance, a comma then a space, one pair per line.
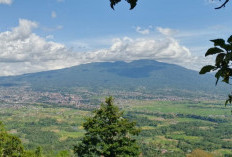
147, 76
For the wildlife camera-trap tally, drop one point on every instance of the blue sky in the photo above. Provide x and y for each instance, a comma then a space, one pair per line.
39, 35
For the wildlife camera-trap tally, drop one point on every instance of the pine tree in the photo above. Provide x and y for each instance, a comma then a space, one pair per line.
108, 134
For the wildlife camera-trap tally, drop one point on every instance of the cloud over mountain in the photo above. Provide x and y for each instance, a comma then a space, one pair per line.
22, 51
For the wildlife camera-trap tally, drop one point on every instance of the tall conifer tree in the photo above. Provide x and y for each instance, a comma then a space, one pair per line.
108, 134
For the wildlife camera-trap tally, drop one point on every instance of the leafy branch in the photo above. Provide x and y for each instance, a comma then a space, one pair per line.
222, 66
133, 3
223, 5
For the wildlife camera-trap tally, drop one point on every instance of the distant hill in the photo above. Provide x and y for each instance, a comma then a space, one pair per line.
146, 76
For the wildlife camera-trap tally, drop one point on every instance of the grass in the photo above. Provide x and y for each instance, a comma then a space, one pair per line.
185, 137
180, 107
64, 134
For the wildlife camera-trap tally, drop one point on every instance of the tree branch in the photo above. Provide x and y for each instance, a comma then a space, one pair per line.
223, 5
113, 3
132, 3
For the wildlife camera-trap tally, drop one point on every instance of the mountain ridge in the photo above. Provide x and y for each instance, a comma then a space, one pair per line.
147, 75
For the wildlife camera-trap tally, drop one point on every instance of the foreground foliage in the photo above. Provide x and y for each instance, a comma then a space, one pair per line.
133, 3
12, 146
108, 134
9, 145
222, 64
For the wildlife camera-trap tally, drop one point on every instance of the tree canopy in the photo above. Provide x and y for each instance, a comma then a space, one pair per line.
9, 145
108, 134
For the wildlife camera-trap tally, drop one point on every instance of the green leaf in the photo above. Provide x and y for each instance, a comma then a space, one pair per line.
226, 79
213, 51
206, 69
229, 100
217, 75
228, 57
220, 58
113, 3
230, 39
132, 3
219, 42
226, 102
226, 74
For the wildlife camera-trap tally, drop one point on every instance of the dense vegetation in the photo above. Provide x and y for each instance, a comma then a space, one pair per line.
12, 146
167, 128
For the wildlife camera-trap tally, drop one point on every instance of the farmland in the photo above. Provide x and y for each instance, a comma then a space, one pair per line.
169, 128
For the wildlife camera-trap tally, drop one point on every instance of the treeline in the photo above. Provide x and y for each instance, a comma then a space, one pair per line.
141, 121
181, 115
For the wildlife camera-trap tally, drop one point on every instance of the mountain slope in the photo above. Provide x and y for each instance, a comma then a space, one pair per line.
146, 76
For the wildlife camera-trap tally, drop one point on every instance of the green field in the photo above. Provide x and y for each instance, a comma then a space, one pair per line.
169, 128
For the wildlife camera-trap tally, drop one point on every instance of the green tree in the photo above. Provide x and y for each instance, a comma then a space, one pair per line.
223, 61
108, 134
38, 152
9, 145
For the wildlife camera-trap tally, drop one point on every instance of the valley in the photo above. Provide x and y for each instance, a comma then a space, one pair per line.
169, 127
177, 110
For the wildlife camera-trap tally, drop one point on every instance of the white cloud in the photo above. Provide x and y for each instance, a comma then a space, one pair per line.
22, 51
166, 31
59, 27
142, 31
164, 50
49, 37
208, 2
53, 14
8, 2
50, 29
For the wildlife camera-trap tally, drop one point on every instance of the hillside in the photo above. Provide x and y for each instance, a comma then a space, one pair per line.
145, 76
